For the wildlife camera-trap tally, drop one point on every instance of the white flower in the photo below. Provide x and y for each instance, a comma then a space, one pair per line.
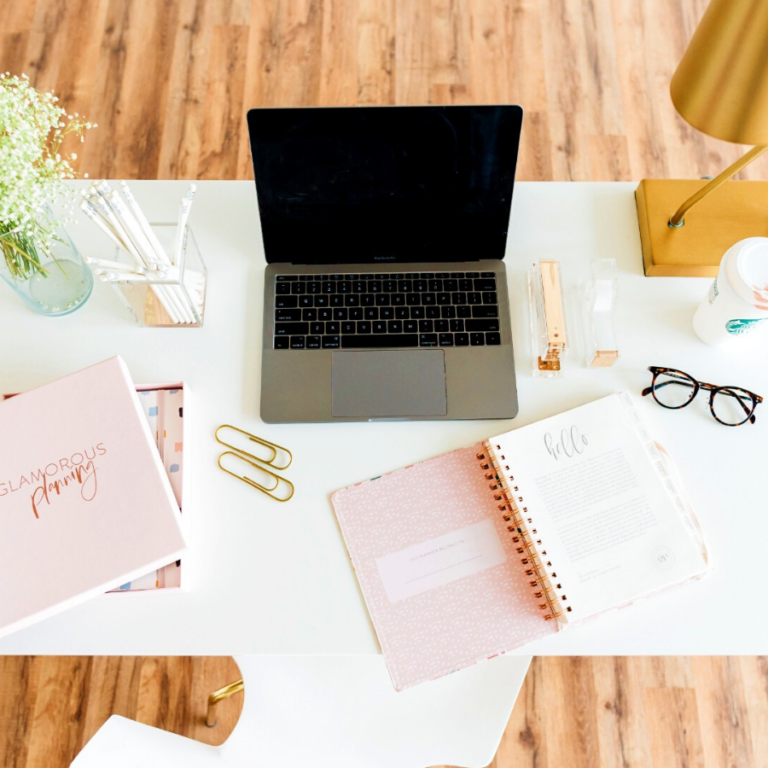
32, 169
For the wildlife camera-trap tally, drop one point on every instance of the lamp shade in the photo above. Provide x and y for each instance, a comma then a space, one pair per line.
720, 86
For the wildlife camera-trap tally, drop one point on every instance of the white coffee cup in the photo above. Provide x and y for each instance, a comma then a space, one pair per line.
737, 303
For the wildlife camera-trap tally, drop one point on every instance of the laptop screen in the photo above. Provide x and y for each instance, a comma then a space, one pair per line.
345, 185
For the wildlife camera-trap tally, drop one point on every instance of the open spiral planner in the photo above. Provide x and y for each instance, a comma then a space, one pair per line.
479, 551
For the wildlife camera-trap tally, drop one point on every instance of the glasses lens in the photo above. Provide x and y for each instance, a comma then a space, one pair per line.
673, 389
732, 405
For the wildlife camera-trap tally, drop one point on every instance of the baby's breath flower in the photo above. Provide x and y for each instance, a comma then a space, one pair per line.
32, 169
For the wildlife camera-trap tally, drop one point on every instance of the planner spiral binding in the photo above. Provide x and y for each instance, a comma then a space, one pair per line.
518, 524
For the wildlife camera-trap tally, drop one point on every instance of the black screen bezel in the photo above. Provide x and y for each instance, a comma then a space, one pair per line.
276, 251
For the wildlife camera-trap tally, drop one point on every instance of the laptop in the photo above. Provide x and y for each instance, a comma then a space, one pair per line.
385, 230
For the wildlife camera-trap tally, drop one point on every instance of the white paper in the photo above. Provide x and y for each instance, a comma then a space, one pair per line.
607, 522
439, 561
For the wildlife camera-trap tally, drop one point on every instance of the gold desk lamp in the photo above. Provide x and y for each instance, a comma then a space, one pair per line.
721, 88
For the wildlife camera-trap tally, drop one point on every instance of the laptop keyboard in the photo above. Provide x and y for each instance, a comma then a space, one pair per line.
411, 309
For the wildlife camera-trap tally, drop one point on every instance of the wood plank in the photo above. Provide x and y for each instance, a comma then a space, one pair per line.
298, 82
261, 71
447, 53
602, 83
622, 718
19, 677
488, 52
450, 93
113, 689
666, 671
675, 736
569, 146
376, 52
223, 118
535, 157
16, 17
338, 54
634, 33
413, 70
754, 674
186, 112
132, 87
99, 155
569, 681
526, 67
609, 158
59, 710
13, 46
565, 56
725, 725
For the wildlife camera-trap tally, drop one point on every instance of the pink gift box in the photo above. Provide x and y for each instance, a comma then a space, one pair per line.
86, 504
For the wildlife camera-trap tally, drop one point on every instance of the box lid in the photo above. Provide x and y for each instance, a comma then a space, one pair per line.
85, 503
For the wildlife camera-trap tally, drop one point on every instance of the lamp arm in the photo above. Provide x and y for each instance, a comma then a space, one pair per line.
677, 220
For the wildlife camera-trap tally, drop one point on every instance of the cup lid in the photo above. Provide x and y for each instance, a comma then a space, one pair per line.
748, 271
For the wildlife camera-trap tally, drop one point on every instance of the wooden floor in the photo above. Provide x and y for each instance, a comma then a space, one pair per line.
572, 713
169, 83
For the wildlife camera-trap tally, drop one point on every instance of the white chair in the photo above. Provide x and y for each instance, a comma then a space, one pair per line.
334, 712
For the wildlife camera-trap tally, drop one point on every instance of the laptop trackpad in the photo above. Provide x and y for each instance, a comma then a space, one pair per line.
389, 383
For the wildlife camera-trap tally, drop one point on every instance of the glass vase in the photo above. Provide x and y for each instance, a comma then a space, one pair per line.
53, 281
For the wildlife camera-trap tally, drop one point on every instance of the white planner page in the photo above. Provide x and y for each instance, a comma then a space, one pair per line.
611, 523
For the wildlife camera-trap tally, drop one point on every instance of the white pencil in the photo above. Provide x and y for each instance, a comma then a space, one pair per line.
103, 207
90, 211
117, 266
143, 222
190, 276
121, 277
186, 205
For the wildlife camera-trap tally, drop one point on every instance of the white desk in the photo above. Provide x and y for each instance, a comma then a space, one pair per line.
272, 578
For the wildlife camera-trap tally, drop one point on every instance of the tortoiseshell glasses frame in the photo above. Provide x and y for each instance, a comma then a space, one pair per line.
663, 377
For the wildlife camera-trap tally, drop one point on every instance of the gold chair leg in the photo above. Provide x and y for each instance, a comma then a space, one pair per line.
219, 695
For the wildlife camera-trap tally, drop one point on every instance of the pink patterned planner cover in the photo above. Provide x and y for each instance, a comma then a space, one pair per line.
439, 572
85, 502
163, 408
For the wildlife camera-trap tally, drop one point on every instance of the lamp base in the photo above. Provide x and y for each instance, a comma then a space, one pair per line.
736, 210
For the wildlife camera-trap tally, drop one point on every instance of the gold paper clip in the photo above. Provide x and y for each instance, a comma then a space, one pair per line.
257, 463
274, 447
250, 481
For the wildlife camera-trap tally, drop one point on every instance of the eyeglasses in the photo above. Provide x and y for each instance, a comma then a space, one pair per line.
674, 389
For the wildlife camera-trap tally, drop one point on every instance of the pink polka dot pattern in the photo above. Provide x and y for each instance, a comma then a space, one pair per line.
455, 625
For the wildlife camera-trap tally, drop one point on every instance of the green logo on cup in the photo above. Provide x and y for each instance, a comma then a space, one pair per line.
736, 327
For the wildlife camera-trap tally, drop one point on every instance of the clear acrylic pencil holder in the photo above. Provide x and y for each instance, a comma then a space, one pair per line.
598, 306
172, 294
